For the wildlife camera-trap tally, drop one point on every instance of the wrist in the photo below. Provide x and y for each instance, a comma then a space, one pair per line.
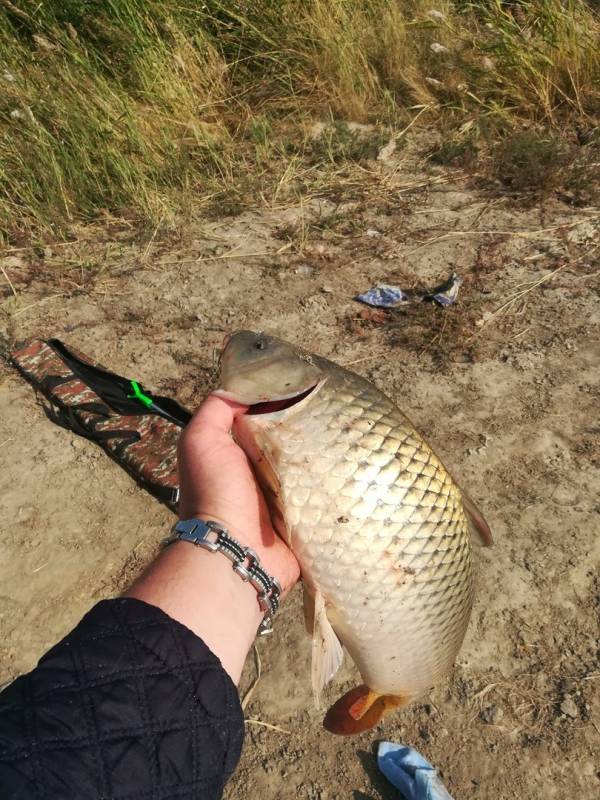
245, 562
200, 589
274, 555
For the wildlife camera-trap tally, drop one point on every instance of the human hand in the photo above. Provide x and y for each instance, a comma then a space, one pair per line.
216, 482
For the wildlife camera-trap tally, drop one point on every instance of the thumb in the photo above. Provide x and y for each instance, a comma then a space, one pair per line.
215, 415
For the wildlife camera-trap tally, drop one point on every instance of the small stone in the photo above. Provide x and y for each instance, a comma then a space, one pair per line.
303, 269
436, 15
569, 708
372, 233
327, 289
26, 512
588, 768
492, 715
317, 130
563, 496
487, 315
438, 48
582, 233
387, 151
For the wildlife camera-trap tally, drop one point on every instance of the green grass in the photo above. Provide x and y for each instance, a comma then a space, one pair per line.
151, 109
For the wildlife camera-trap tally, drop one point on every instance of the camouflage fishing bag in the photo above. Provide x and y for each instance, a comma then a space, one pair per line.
137, 430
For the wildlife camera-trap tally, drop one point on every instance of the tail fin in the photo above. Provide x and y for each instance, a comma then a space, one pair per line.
358, 710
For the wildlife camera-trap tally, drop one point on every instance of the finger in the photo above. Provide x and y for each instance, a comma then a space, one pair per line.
213, 418
215, 413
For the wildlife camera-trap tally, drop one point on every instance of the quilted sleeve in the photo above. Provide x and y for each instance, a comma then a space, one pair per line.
131, 705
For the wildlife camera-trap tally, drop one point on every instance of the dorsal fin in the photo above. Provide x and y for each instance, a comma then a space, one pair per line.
477, 521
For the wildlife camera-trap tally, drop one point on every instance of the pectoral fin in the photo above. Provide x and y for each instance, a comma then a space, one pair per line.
477, 521
259, 452
327, 653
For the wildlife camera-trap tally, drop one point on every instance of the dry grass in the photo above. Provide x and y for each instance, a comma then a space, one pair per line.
151, 110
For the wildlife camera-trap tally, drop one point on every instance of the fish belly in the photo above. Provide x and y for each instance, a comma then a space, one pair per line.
378, 527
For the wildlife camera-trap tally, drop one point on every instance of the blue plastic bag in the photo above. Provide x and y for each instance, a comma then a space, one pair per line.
408, 771
383, 296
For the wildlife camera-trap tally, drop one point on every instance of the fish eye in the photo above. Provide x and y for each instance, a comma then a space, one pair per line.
259, 345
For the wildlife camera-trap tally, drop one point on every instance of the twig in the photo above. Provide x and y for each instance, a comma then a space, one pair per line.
434, 211
484, 691
521, 333
151, 242
517, 296
523, 233
412, 122
6, 441
251, 721
485, 208
360, 360
208, 259
37, 303
409, 187
424, 244
437, 336
54, 244
258, 665
10, 283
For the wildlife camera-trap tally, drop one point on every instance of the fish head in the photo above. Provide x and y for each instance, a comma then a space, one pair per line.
266, 373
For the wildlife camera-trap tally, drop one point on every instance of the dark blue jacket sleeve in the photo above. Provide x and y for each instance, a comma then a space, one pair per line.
131, 705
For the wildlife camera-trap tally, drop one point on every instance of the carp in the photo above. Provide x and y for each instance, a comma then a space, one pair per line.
379, 527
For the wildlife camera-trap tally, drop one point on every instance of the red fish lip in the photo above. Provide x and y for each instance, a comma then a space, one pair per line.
272, 406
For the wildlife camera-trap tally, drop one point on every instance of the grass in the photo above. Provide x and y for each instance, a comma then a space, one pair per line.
154, 110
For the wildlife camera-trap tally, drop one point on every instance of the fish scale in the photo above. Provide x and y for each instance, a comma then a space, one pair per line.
375, 520
406, 541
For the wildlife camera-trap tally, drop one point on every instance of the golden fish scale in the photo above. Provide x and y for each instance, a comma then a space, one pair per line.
378, 527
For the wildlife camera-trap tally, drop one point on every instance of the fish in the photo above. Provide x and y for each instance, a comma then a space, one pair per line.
379, 527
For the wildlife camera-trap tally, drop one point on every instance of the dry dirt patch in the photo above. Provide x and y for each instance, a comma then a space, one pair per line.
504, 384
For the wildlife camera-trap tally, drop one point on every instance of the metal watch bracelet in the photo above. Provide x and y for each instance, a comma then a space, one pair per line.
243, 560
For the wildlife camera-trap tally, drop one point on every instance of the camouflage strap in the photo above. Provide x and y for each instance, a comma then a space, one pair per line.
144, 444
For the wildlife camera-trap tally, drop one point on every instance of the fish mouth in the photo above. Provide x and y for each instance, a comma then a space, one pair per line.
273, 406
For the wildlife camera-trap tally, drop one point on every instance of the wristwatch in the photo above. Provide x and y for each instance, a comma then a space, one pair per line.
214, 537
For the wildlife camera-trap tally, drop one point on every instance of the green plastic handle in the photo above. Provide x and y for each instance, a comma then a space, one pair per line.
139, 395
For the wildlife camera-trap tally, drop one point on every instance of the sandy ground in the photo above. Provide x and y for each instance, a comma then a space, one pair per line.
504, 385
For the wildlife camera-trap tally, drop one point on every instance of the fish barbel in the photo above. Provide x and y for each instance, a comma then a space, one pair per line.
379, 527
